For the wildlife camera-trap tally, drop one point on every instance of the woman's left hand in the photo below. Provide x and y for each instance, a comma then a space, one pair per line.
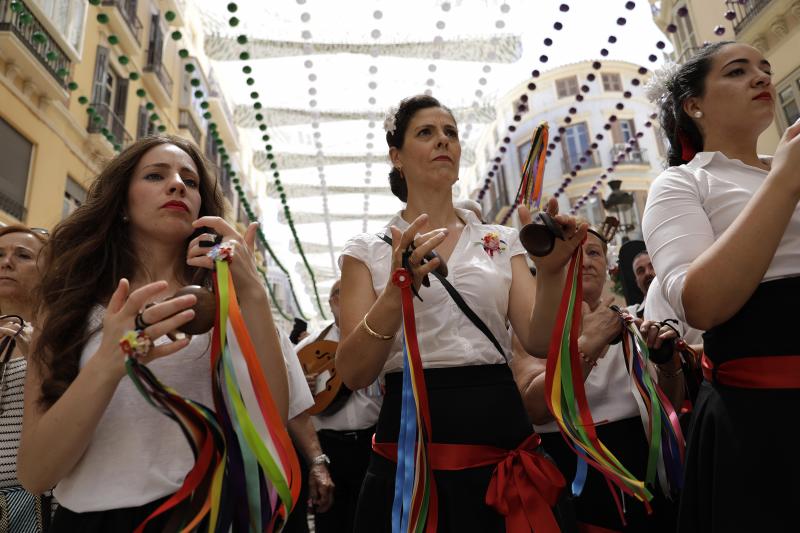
574, 234
654, 334
23, 338
242, 264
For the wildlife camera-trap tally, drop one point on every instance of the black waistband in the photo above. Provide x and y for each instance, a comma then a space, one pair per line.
765, 325
456, 376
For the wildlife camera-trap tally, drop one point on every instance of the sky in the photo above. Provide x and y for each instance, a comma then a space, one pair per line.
348, 82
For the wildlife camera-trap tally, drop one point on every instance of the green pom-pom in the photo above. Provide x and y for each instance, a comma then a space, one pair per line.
195, 82
189, 67
259, 117
198, 94
283, 199
247, 69
62, 72
51, 55
113, 39
90, 110
270, 156
83, 100
162, 128
232, 7
244, 56
276, 175
265, 138
102, 18
183, 52
25, 18
176, 35
117, 148
235, 179
254, 95
72, 86
257, 105
123, 60
279, 188
250, 81
233, 21
170, 16
242, 39
225, 157
153, 117
222, 150
212, 126
97, 118
133, 76
141, 93
206, 115
262, 127
268, 147
105, 132
16, 7
39, 37
150, 106
94, 2
273, 166
204, 105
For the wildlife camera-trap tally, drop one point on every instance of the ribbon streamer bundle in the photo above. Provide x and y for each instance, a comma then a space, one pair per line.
246, 475
530, 188
566, 395
415, 506
666, 443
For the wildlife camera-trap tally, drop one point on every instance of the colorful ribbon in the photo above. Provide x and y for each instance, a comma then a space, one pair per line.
415, 506
661, 425
530, 187
566, 395
246, 475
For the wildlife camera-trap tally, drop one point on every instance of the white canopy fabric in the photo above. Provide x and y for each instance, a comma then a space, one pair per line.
327, 72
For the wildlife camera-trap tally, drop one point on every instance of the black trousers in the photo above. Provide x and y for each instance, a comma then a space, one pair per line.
349, 452
298, 520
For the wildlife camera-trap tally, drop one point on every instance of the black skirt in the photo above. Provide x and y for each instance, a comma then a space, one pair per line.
596, 505
117, 520
741, 468
468, 405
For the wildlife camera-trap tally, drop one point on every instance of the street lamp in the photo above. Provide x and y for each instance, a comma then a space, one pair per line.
620, 201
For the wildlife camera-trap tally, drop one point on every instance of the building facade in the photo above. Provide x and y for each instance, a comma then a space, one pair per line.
608, 116
772, 26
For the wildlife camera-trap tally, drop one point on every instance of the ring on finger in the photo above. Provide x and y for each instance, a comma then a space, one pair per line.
136, 344
139, 321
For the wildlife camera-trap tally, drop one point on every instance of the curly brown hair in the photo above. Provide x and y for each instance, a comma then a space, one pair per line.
88, 253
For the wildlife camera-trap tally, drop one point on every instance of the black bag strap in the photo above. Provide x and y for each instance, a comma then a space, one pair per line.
461, 303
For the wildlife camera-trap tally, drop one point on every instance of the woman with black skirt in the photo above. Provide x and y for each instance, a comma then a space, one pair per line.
723, 228
87, 431
472, 394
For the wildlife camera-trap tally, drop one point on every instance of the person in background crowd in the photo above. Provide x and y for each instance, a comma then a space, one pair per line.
346, 437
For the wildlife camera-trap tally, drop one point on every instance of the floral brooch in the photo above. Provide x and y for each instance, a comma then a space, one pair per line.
492, 244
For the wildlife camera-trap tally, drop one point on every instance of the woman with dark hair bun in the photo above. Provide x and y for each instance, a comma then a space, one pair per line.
723, 229
139, 237
474, 401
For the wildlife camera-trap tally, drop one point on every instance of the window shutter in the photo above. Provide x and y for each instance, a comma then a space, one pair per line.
121, 101
141, 126
100, 69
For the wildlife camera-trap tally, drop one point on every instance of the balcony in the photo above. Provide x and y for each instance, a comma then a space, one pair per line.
11, 206
568, 163
124, 20
187, 122
156, 75
628, 155
746, 12
33, 50
108, 124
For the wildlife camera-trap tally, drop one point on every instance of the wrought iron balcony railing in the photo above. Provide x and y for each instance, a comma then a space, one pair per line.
128, 11
186, 121
109, 124
157, 67
634, 156
16, 18
746, 12
12, 206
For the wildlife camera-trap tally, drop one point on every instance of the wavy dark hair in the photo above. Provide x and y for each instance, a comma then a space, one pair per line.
688, 82
408, 108
88, 253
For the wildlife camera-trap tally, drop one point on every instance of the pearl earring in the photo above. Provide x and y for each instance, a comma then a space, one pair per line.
698, 114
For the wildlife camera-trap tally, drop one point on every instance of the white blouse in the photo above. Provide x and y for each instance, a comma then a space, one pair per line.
657, 308
137, 454
445, 334
688, 209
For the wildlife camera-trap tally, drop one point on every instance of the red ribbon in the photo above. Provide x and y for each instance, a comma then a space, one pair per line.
687, 151
524, 487
768, 372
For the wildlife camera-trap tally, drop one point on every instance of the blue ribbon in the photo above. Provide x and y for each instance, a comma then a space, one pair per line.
406, 447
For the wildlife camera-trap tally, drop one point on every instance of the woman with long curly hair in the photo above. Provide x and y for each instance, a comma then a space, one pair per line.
87, 431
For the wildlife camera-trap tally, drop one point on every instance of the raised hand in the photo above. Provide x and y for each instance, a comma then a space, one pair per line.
422, 245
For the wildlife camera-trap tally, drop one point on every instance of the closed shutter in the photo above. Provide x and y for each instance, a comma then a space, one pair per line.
141, 125
156, 41
99, 80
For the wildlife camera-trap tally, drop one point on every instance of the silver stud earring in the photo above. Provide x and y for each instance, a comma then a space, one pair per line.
698, 114
125, 218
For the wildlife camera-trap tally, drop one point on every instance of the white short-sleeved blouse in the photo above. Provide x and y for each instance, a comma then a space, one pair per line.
688, 209
445, 334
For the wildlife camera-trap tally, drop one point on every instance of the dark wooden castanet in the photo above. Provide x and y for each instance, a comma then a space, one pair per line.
539, 239
204, 310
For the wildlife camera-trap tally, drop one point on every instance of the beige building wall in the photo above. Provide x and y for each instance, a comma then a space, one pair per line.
772, 26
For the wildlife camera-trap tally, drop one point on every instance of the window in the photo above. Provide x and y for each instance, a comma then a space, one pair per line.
567, 86
74, 196
686, 41
788, 99
155, 44
15, 153
144, 126
622, 131
612, 82
67, 16
575, 143
109, 99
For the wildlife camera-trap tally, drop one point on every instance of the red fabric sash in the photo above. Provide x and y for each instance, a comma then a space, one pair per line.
768, 372
524, 487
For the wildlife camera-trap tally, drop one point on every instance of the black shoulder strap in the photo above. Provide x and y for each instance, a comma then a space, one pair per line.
459, 300
324, 332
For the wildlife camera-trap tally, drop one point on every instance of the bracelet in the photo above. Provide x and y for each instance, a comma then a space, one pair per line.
321, 459
372, 332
